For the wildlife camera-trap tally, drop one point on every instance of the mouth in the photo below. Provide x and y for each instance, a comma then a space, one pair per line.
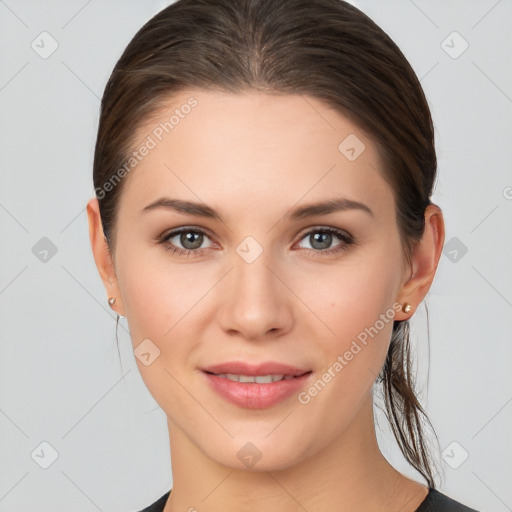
258, 379
256, 386
265, 369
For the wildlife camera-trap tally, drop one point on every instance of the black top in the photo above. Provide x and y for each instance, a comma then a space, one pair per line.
434, 502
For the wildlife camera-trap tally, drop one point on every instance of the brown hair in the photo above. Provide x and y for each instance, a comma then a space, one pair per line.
326, 49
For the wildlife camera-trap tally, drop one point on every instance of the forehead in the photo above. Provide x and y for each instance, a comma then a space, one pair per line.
250, 147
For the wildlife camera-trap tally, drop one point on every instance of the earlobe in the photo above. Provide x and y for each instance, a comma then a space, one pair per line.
425, 259
101, 252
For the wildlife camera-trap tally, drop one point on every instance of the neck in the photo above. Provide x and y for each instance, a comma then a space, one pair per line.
348, 474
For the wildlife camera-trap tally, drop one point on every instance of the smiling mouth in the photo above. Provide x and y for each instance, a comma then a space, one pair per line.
265, 388
256, 379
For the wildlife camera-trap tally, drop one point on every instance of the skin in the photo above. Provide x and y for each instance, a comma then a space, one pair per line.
254, 157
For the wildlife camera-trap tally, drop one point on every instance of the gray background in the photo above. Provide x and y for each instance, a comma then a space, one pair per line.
61, 381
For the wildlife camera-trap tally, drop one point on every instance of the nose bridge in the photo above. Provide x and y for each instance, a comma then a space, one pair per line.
254, 281
251, 271
256, 301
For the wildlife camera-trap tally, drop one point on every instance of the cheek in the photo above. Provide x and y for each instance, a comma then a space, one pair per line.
160, 302
352, 297
166, 303
159, 294
358, 309
356, 303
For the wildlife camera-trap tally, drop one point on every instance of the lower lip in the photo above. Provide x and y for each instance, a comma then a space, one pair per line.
252, 395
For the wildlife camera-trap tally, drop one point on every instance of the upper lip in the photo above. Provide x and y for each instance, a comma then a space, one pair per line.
266, 368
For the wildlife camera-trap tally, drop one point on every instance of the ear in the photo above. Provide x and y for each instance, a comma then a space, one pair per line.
102, 255
425, 259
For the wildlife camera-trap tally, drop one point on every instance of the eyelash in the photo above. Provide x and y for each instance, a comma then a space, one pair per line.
346, 238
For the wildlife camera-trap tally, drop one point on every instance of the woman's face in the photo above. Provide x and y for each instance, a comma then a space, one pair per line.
261, 283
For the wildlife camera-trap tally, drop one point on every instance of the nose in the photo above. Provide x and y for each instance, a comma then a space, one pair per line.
255, 302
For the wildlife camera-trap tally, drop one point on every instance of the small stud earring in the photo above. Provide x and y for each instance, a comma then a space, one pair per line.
111, 302
406, 307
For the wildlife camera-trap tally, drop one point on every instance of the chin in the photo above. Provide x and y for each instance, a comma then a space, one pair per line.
256, 454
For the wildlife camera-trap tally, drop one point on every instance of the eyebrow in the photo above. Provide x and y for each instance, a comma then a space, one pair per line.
336, 204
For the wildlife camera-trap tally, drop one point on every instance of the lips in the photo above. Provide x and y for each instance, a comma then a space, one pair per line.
256, 395
265, 368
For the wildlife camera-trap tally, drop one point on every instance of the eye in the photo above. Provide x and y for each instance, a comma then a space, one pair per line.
190, 240
321, 239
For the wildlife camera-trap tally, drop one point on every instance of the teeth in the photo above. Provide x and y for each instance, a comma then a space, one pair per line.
259, 379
